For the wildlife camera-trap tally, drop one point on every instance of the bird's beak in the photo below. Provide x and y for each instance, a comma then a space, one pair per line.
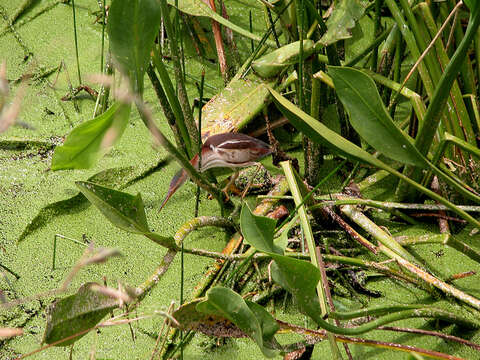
178, 180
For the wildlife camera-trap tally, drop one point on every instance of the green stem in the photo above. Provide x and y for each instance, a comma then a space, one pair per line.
376, 232
444, 239
167, 109
300, 20
179, 77
316, 258
376, 29
76, 42
173, 101
461, 124
200, 106
432, 117
307, 197
103, 37
411, 44
331, 49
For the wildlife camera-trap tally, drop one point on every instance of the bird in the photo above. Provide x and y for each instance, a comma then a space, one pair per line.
230, 150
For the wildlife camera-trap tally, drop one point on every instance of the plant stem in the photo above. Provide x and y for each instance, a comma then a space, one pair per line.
376, 30
182, 92
316, 260
167, 110
103, 37
200, 106
434, 111
76, 42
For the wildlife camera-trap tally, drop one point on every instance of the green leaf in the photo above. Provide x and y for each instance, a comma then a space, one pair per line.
370, 118
189, 318
122, 209
238, 103
363, 36
299, 278
125, 211
92, 139
113, 177
132, 28
282, 240
319, 133
258, 324
342, 20
473, 5
76, 313
199, 8
272, 63
267, 323
258, 231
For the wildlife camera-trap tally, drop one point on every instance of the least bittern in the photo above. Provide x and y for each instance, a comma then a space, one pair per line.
230, 150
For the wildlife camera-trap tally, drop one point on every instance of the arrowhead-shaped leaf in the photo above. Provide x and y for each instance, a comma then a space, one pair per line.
189, 318
258, 231
300, 278
370, 118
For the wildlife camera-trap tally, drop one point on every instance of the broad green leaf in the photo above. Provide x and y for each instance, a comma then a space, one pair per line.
125, 211
258, 231
473, 5
76, 313
238, 103
267, 323
213, 324
343, 18
114, 177
189, 318
225, 302
362, 37
272, 63
199, 8
300, 278
92, 139
282, 240
122, 209
370, 118
132, 28
319, 133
